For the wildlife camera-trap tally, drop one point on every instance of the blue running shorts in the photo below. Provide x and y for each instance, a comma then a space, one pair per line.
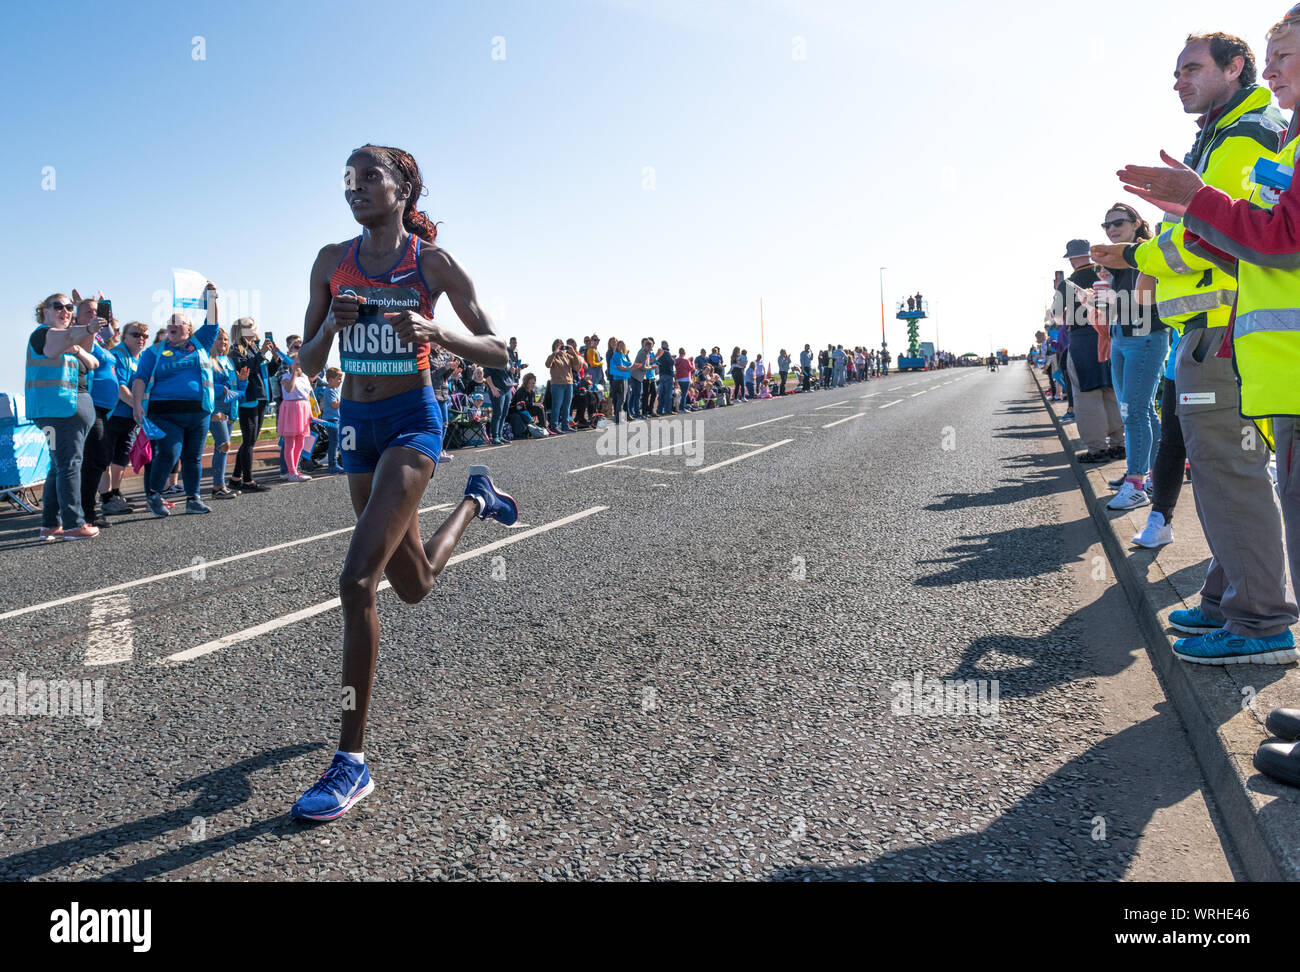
412, 419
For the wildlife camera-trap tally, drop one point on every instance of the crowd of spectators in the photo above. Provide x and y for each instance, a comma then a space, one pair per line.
1217, 282
111, 399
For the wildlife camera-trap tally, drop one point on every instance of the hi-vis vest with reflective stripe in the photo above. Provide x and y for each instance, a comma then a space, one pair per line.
1266, 335
51, 385
1189, 285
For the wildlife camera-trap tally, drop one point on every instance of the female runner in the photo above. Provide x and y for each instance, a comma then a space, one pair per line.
377, 293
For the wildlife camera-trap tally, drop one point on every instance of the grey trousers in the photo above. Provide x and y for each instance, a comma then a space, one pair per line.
61, 498
1286, 438
1245, 586
1096, 413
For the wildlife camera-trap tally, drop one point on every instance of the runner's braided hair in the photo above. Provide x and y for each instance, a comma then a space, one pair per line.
404, 166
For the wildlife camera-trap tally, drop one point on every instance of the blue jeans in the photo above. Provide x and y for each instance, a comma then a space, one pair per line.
500, 408
839, 376
220, 443
665, 395
1135, 364
186, 433
561, 406
61, 498
634, 398
684, 387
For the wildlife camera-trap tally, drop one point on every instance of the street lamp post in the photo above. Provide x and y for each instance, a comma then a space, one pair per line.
882, 307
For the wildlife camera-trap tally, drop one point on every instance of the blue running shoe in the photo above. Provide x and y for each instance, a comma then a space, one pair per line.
1224, 648
340, 786
1193, 622
497, 506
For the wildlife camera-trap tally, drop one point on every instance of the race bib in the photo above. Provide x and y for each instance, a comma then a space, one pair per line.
371, 346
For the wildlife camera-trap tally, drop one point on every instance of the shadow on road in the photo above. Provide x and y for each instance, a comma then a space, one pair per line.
1082, 823
221, 790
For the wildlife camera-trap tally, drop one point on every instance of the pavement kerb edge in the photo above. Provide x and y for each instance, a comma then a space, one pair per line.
1258, 847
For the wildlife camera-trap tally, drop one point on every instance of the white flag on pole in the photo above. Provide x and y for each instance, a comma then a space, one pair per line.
187, 294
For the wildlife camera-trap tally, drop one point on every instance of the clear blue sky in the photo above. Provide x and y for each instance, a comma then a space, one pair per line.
959, 146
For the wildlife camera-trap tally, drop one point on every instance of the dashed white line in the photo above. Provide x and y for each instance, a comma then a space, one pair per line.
186, 570
111, 638
779, 418
833, 405
652, 452
843, 420
921, 392
747, 455
894, 402
275, 624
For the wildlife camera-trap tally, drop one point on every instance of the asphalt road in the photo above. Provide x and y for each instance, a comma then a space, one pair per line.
677, 666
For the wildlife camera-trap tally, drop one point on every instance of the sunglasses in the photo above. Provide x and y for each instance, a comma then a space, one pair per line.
58, 307
137, 334
1117, 223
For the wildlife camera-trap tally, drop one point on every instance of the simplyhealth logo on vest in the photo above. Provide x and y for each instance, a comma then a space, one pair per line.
371, 346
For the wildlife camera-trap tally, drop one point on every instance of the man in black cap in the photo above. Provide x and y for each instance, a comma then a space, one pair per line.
1095, 408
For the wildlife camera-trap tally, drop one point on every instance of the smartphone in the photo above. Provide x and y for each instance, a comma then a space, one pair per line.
268, 336
105, 310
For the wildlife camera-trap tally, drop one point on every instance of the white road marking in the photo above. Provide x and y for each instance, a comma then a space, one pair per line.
185, 570
675, 445
746, 455
275, 624
894, 402
833, 405
767, 422
843, 420
873, 395
661, 472
921, 392
749, 444
111, 638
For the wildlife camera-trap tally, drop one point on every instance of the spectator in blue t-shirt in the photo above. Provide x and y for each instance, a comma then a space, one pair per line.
228, 386
173, 389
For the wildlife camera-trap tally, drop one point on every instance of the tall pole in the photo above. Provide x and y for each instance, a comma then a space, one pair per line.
882, 306
762, 341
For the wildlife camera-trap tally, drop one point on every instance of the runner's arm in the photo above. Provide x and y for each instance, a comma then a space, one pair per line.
317, 339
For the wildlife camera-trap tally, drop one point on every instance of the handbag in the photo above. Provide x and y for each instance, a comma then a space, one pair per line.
141, 450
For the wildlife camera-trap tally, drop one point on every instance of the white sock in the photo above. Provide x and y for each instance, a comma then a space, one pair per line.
358, 757
482, 503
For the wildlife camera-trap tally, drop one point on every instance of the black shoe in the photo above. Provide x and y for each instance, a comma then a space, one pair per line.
251, 487
102, 522
1117, 452
1086, 458
1280, 761
1284, 723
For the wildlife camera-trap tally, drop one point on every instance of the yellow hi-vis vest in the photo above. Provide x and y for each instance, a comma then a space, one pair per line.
1266, 335
1188, 285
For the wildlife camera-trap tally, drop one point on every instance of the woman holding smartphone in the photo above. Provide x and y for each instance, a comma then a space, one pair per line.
376, 293
247, 353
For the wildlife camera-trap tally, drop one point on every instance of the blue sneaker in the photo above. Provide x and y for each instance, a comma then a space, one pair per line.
1225, 648
1193, 622
340, 786
498, 506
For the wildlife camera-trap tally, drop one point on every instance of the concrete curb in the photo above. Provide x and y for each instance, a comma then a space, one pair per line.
1261, 817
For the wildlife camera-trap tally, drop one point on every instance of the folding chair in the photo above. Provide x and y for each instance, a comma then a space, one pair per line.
468, 425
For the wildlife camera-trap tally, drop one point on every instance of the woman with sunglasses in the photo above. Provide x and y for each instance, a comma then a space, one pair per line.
173, 388
121, 422
57, 393
376, 293
1139, 344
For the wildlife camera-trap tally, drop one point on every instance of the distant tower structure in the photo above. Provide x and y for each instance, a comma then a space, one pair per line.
913, 310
